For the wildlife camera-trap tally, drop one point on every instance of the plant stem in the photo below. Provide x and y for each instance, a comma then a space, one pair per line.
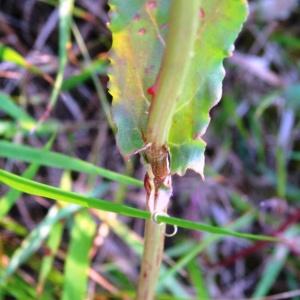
183, 24
152, 257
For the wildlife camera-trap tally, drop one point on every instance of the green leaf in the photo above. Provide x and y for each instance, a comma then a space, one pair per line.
43, 190
78, 261
10, 55
61, 161
135, 58
139, 29
8, 105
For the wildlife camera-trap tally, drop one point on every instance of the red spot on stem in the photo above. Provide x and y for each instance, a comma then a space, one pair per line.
201, 13
142, 31
151, 4
152, 90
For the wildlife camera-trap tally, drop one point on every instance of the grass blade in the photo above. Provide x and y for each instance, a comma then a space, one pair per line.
57, 160
35, 239
53, 244
65, 18
17, 288
43, 190
8, 200
78, 261
77, 12
10, 55
274, 266
198, 280
98, 86
99, 66
8, 105
11, 225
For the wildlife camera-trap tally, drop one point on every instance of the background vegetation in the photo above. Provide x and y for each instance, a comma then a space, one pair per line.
51, 250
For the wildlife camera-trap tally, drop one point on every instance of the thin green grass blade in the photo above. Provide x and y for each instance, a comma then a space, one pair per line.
43, 190
65, 18
281, 170
52, 244
57, 160
295, 155
78, 261
77, 11
273, 266
9, 128
98, 86
265, 103
180, 248
11, 197
99, 66
10, 55
8, 105
11, 225
17, 288
35, 239
198, 280
222, 231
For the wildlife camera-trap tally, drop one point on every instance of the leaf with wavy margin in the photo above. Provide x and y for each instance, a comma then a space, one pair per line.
139, 29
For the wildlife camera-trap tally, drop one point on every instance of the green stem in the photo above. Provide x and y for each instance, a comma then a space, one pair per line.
183, 24
151, 261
